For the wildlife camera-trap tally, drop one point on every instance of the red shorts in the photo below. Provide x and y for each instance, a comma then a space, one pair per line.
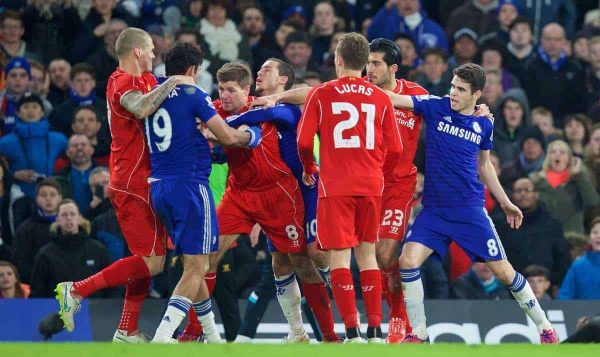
396, 204
143, 231
279, 211
345, 221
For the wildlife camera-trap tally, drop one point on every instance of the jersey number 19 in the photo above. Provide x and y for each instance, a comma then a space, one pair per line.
159, 130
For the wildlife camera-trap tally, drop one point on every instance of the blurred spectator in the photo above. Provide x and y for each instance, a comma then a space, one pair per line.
297, 14
327, 69
86, 122
297, 52
192, 14
94, 28
540, 239
544, 120
508, 11
74, 178
577, 133
282, 32
31, 147
551, 75
60, 81
435, 280
323, 27
18, 81
104, 61
98, 183
6, 252
10, 283
593, 71
405, 16
564, 186
493, 57
578, 245
492, 92
9, 193
162, 39
587, 330
520, 47
70, 256
539, 278
262, 44
220, 33
364, 27
478, 15
312, 79
509, 128
34, 233
464, 47
83, 92
592, 159
531, 157
51, 27
408, 48
543, 12
40, 82
163, 12
581, 49
11, 38
583, 278
479, 284
435, 77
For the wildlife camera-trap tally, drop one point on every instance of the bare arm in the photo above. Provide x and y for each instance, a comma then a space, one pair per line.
488, 176
142, 105
401, 101
292, 96
227, 135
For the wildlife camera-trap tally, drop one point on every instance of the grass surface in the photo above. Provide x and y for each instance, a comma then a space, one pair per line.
255, 350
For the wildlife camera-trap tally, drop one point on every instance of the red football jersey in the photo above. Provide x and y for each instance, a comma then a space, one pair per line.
256, 169
129, 160
356, 123
409, 124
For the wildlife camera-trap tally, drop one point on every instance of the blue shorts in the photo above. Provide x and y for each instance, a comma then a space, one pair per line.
470, 227
187, 211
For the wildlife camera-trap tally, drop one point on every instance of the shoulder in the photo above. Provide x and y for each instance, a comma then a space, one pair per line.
315, 91
410, 88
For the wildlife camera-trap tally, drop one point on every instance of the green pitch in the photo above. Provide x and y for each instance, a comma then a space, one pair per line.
189, 350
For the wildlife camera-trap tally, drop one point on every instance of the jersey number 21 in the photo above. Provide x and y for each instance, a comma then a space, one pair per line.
353, 141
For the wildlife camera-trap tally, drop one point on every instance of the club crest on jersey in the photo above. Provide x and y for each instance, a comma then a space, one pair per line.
476, 127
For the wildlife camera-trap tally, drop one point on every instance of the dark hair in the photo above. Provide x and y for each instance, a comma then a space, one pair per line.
188, 31
585, 121
521, 20
48, 182
284, 70
85, 107
492, 44
473, 74
391, 51
225, 4
353, 48
236, 72
66, 201
297, 37
181, 57
11, 14
19, 292
403, 36
535, 270
82, 67
435, 51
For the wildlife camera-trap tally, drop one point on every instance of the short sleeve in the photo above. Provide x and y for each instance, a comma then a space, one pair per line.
423, 105
487, 142
126, 83
204, 108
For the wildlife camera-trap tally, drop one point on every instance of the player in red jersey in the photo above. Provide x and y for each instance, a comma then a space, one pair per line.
129, 100
261, 189
358, 131
400, 181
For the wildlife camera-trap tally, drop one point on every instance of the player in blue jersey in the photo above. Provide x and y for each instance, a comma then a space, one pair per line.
276, 76
457, 166
180, 163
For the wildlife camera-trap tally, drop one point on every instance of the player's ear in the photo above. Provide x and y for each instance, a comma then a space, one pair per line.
247, 89
477, 95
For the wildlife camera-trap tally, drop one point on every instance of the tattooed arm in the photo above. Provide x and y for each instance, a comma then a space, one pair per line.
142, 105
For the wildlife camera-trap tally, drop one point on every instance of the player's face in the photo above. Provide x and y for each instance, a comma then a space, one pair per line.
575, 131
460, 94
146, 55
559, 158
48, 199
595, 237
595, 142
68, 218
267, 79
233, 96
378, 72
524, 194
8, 279
86, 123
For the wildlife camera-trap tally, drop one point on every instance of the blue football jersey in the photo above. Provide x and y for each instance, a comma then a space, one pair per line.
177, 149
452, 145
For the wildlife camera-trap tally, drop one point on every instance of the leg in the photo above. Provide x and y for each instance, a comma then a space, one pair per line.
225, 296
342, 287
413, 256
370, 281
321, 260
194, 268
315, 293
522, 292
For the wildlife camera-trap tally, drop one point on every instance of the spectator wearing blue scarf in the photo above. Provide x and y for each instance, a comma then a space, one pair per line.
31, 148
18, 78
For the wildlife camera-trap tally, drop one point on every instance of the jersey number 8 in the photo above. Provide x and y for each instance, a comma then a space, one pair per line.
159, 130
351, 122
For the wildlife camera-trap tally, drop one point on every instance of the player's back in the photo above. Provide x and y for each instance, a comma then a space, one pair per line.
129, 160
356, 125
177, 149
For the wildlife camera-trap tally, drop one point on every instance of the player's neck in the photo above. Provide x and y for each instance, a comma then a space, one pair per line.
130, 67
349, 73
469, 109
389, 85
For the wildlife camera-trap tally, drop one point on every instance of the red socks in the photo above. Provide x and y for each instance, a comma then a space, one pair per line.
135, 294
370, 281
121, 272
342, 287
193, 326
395, 299
318, 300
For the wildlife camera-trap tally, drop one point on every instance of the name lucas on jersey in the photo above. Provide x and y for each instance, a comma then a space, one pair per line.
459, 132
354, 88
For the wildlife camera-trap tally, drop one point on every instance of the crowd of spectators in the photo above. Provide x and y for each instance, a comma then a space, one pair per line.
542, 60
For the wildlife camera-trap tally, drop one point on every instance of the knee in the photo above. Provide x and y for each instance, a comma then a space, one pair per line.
385, 258
506, 276
319, 257
408, 261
